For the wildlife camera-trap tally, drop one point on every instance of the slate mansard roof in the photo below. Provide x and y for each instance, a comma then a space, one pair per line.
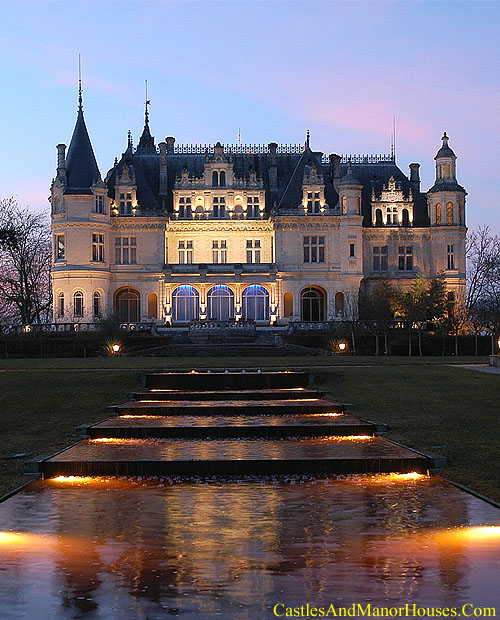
372, 172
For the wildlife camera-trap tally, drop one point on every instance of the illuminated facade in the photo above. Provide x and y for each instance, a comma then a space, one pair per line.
274, 233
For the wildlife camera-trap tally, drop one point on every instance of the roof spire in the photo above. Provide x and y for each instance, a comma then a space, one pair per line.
146, 141
148, 102
130, 144
308, 136
80, 98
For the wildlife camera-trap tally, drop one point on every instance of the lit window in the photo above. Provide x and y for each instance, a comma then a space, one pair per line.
314, 249
451, 256
392, 216
380, 258
60, 305
59, 247
253, 250
253, 209
438, 214
405, 256
78, 304
313, 203
219, 252
185, 252
449, 214
125, 251
99, 204
98, 247
185, 207
126, 204
219, 206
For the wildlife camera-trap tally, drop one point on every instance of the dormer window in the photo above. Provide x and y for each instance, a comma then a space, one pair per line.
126, 204
99, 204
218, 178
253, 207
313, 203
219, 207
185, 207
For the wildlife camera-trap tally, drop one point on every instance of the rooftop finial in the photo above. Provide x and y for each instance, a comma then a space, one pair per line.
148, 102
308, 136
445, 139
80, 99
129, 139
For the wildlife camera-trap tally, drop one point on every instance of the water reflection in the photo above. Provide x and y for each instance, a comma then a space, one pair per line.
150, 549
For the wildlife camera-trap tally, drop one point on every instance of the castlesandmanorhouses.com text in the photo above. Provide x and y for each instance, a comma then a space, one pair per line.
357, 610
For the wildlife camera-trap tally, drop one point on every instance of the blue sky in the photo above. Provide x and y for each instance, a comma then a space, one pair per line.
275, 69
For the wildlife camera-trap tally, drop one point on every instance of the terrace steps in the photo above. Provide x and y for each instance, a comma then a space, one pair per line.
217, 431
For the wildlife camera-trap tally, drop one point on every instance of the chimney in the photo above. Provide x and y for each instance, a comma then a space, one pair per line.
163, 167
170, 144
273, 167
415, 177
61, 162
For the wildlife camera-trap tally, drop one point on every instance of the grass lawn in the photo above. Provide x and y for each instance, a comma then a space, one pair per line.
424, 402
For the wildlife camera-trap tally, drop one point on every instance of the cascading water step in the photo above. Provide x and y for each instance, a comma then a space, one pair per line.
264, 394
227, 407
236, 457
196, 380
203, 426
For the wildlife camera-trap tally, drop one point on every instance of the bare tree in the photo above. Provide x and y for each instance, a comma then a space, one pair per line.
483, 264
25, 261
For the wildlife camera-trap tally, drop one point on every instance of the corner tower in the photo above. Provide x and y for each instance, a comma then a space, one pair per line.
80, 229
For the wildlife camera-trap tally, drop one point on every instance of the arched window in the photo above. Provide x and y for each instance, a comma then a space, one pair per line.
313, 303
220, 302
152, 306
406, 217
215, 179
339, 304
222, 178
127, 305
78, 304
185, 303
358, 199
447, 171
60, 305
238, 212
344, 205
441, 171
438, 214
449, 213
378, 218
255, 303
96, 304
288, 304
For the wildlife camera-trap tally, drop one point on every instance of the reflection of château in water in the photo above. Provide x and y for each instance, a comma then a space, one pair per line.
238, 548
270, 233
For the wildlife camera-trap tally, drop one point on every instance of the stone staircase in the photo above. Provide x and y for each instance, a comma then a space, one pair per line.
231, 424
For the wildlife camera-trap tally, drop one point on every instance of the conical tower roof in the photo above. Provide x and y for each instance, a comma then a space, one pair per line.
81, 165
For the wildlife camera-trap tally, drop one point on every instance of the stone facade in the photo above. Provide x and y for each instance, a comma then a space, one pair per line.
274, 233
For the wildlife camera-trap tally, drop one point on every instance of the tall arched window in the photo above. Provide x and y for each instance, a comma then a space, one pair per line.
447, 171
215, 179
220, 302
449, 213
344, 205
288, 304
313, 303
358, 199
96, 304
127, 307
255, 303
339, 304
78, 304
378, 218
60, 305
185, 303
222, 178
152, 306
406, 217
438, 214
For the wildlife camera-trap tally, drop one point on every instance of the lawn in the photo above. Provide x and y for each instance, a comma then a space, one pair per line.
425, 403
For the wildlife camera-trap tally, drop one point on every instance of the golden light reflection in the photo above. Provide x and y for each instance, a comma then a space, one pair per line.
329, 415
148, 417
111, 440
346, 438
393, 477
473, 534
77, 479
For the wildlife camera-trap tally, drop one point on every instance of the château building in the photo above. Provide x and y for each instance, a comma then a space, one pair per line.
271, 233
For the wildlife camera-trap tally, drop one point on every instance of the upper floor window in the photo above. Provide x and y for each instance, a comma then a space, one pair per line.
125, 250
344, 204
99, 204
405, 258
253, 250
449, 214
438, 214
126, 204
392, 216
98, 247
59, 247
451, 256
253, 208
380, 258
185, 251
185, 207
313, 203
96, 304
314, 249
219, 206
352, 250
218, 178
60, 305
219, 251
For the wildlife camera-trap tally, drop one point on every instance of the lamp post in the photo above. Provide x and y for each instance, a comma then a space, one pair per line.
116, 349
342, 346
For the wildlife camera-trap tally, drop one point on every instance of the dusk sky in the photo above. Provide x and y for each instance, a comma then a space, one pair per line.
273, 69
